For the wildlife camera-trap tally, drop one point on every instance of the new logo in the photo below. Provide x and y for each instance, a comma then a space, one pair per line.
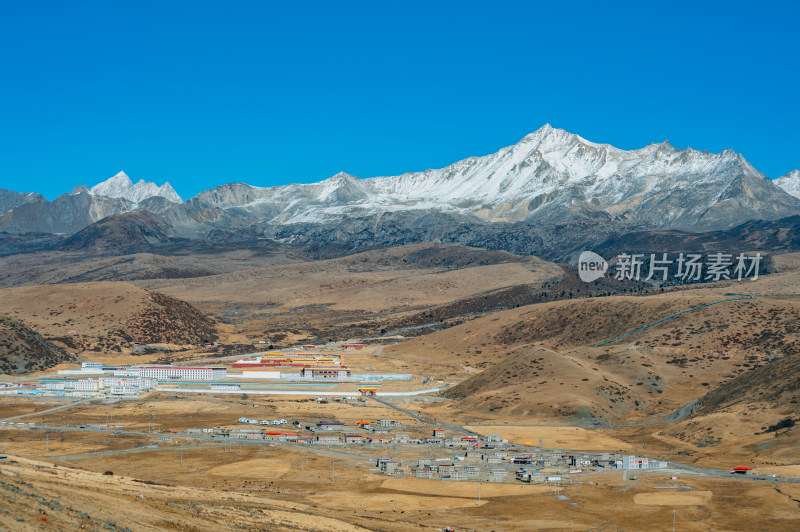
591, 266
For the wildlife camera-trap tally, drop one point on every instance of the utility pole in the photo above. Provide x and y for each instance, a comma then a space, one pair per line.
333, 470
673, 520
47, 443
181, 455
479, 494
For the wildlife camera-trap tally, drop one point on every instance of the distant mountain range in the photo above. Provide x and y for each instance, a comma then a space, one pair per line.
549, 182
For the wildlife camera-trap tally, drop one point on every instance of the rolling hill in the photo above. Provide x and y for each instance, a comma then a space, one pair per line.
106, 316
538, 359
23, 350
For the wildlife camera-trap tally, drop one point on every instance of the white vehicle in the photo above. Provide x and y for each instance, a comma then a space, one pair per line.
276, 422
253, 422
282, 422
264, 422
244, 420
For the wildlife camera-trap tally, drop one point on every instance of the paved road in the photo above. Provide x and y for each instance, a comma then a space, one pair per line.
316, 393
456, 428
49, 410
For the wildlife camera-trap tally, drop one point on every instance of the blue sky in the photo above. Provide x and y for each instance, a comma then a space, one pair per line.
204, 93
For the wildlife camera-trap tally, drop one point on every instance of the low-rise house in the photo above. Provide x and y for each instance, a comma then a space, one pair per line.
246, 434
446, 469
401, 437
472, 471
330, 425
353, 438
457, 475
388, 466
424, 473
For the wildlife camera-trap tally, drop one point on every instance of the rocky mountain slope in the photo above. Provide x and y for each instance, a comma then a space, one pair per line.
790, 183
23, 350
119, 234
10, 199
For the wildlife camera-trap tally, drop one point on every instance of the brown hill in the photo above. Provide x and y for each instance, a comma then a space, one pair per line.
169, 321
651, 372
106, 316
119, 234
539, 382
23, 350
775, 384
751, 419
362, 294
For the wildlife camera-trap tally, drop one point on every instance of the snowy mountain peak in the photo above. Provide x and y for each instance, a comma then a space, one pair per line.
80, 189
790, 183
121, 186
342, 176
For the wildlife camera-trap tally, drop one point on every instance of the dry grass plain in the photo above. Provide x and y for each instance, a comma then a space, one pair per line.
191, 485
249, 489
538, 370
573, 438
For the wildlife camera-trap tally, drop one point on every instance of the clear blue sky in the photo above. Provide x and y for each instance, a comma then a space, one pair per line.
204, 93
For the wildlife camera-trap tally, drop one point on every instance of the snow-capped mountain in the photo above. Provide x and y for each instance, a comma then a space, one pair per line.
549, 178
121, 186
790, 183
549, 174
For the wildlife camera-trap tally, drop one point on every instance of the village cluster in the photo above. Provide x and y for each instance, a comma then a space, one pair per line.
468, 456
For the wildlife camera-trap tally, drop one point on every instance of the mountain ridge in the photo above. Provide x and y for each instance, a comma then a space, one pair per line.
550, 176
121, 186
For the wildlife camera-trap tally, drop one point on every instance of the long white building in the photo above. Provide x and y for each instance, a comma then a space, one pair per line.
181, 373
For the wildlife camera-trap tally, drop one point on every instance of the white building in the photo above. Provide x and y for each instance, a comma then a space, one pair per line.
225, 387
181, 373
86, 385
127, 386
87, 368
636, 462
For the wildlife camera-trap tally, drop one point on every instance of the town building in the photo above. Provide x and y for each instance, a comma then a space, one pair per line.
353, 438
225, 387
328, 439
353, 347
388, 466
636, 462
322, 373
182, 373
330, 425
